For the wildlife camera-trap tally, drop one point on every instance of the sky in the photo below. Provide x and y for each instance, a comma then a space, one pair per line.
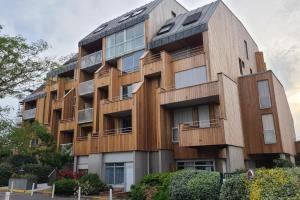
274, 25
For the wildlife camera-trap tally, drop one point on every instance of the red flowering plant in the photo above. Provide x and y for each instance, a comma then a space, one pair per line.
70, 174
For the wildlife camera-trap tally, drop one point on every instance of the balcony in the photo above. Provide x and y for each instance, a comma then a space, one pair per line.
203, 93
90, 61
57, 104
117, 104
152, 64
81, 146
202, 133
86, 88
29, 114
85, 116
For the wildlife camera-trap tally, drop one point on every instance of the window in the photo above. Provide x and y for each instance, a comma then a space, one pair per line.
192, 18
122, 19
203, 113
126, 90
190, 77
208, 165
114, 173
175, 134
125, 41
268, 128
173, 13
131, 63
264, 94
251, 72
180, 116
165, 29
126, 124
241, 66
138, 12
246, 49
34, 142
100, 28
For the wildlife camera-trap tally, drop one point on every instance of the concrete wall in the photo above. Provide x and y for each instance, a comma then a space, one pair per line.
165, 160
96, 165
235, 158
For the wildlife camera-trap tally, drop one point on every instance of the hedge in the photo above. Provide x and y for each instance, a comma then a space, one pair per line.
92, 185
235, 188
195, 185
65, 187
5, 173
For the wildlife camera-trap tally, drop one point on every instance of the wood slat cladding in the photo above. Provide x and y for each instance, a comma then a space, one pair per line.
252, 116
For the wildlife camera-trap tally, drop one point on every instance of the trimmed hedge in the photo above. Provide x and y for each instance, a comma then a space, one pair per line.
41, 171
65, 187
195, 185
235, 188
5, 173
92, 185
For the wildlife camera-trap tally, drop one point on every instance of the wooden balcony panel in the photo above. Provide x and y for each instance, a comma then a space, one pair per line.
206, 90
66, 125
57, 104
111, 106
153, 68
117, 142
102, 81
94, 144
81, 146
195, 136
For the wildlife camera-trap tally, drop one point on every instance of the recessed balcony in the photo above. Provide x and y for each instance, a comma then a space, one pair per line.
86, 88
29, 114
85, 116
89, 62
201, 133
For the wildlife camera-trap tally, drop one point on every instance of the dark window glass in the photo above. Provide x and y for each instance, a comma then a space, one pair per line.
246, 49
192, 18
165, 29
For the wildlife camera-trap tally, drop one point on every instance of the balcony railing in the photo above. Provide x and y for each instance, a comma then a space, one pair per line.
201, 124
91, 60
152, 58
85, 116
29, 114
118, 98
119, 130
86, 88
186, 53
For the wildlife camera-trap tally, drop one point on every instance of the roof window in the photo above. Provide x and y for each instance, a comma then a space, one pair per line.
138, 12
165, 29
192, 18
100, 28
125, 17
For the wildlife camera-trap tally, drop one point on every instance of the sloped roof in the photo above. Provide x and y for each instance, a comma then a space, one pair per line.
179, 32
67, 66
114, 25
34, 96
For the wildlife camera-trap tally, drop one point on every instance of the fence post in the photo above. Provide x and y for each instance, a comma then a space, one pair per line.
79, 193
32, 188
110, 194
12, 187
7, 195
53, 191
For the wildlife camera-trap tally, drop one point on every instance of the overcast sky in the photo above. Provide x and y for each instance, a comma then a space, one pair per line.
274, 25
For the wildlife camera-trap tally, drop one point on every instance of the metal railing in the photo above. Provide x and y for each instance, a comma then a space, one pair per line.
118, 130
86, 87
264, 102
91, 60
269, 137
85, 116
151, 58
29, 114
118, 98
202, 124
186, 53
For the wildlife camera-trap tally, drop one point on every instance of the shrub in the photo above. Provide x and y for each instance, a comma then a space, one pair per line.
92, 185
20, 160
235, 188
274, 184
138, 192
65, 187
41, 171
5, 173
195, 185
282, 163
69, 174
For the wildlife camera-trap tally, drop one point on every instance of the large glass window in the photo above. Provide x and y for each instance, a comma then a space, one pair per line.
125, 41
208, 165
190, 77
269, 130
131, 63
264, 94
114, 173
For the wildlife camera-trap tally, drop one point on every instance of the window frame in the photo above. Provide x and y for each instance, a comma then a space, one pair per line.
114, 166
194, 165
259, 95
274, 129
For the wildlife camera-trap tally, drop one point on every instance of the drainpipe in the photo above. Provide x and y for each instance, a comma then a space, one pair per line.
148, 167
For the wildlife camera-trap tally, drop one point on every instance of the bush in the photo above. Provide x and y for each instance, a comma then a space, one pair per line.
20, 160
65, 187
195, 185
41, 171
69, 174
5, 173
275, 184
282, 163
235, 188
92, 185
153, 186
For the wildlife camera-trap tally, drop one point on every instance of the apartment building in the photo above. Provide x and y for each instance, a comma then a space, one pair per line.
161, 88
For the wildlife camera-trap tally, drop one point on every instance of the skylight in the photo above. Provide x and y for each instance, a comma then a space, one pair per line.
192, 18
165, 29
100, 28
125, 18
138, 12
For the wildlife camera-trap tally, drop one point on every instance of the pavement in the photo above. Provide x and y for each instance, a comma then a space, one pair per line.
23, 196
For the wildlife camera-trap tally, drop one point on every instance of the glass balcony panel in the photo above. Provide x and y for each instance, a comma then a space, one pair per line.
86, 87
29, 114
85, 116
91, 60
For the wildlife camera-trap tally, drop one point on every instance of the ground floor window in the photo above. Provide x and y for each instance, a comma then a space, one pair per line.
114, 173
208, 165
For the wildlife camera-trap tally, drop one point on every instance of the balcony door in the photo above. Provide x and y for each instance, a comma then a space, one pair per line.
203, 113
191, 77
